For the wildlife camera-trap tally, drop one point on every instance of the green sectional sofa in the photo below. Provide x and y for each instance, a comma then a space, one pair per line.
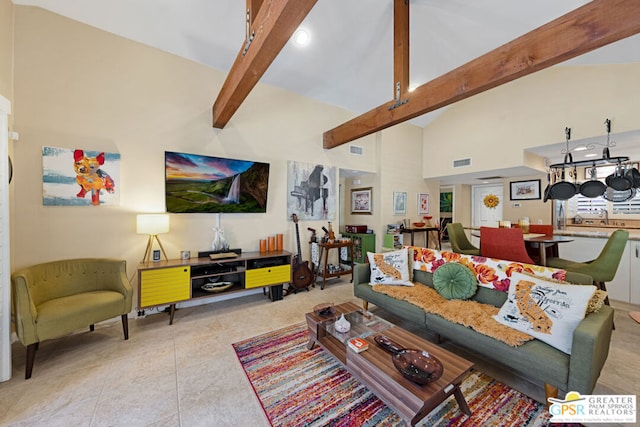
534, 359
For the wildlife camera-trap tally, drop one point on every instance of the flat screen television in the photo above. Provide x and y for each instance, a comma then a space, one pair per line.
203, 184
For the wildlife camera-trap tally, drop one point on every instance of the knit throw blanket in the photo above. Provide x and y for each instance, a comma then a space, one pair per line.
471, 314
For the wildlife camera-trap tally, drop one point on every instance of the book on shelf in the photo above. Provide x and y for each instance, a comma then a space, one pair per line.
358, 344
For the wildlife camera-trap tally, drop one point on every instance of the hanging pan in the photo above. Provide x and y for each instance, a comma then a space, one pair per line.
563, 190
593, 187
612, 195
634, 176
618, 181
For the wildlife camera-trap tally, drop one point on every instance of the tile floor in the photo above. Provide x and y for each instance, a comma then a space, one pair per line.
187, 374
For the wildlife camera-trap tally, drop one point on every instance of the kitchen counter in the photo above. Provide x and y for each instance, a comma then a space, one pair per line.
602, 232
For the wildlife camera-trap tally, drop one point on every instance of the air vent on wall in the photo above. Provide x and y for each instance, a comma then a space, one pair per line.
462, 163
489, 178
356, 150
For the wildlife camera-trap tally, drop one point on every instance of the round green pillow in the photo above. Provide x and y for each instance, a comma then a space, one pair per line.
453, 280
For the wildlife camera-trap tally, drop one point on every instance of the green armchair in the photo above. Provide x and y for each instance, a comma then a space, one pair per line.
56, 298
459, 241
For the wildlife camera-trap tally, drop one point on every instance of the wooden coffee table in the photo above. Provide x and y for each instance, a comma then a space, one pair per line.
374, 367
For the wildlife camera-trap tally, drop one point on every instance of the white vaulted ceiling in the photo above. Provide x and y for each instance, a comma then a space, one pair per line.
349, 62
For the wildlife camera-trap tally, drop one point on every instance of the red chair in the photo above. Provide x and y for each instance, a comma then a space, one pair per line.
503, 243
547, 230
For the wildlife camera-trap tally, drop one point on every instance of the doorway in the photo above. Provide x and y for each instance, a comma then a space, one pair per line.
482, 215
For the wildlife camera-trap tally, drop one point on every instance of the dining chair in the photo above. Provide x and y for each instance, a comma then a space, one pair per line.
504, 243
459, 242
532, 248
603, 268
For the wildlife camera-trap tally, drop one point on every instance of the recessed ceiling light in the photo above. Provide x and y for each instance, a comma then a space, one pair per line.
591, 155
580, 148
301, 37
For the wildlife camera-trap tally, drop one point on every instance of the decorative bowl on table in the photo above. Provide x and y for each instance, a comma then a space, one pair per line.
419, 224
416, 365
324, 309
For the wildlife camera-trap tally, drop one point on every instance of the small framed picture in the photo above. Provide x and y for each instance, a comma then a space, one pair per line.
156, 255
399, 203
525, 190
361, 201
423, 203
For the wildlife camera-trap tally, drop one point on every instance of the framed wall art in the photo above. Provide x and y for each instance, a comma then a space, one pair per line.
525, 190
76, 177
423, 203
399, 203
311, 191
361, 201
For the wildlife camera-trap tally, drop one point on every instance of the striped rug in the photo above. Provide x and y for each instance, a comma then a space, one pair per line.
298, 387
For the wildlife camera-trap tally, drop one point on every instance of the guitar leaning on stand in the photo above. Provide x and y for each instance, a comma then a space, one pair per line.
302, 274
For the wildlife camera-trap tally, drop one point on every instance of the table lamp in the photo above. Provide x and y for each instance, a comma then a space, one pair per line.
152, 224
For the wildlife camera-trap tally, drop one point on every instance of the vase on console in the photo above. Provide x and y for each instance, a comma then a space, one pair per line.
219, 243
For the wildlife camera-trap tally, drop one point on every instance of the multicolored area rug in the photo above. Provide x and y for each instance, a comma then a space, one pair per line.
300, 387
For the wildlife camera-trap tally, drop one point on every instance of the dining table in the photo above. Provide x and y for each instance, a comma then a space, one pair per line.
543, 241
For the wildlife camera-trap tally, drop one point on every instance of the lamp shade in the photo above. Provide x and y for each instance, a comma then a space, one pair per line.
152, 224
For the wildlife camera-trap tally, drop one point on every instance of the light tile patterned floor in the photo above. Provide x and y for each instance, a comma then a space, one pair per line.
187, 374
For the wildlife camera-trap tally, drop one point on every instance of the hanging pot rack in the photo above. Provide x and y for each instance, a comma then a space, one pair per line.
620, 185
606, 158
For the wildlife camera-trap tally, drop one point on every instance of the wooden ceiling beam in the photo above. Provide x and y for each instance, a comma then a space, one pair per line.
273, 26
582, 30
400, 49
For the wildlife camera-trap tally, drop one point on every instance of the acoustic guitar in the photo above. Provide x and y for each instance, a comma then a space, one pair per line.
302, 274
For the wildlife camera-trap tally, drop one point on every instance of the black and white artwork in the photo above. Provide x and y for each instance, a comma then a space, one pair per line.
311, 191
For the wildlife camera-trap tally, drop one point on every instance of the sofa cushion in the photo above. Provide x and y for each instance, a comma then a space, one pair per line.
548, 310
389, 268
455, 281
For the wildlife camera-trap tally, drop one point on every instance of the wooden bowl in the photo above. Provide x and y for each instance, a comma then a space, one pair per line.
418, 224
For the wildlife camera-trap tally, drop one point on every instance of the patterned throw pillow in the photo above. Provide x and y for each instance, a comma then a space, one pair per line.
547, 310
455, 281
389, 268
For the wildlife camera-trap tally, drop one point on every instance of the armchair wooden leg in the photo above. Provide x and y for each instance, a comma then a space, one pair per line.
31, 357
365, 305
550, 391
125, 326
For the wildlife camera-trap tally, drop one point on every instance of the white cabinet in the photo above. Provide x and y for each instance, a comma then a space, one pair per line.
587, 248
634, 260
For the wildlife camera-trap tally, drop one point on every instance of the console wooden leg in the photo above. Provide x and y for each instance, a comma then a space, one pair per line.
172, 311
550, 391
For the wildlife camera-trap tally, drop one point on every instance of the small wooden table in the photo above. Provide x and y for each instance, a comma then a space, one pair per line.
374, 367
322, 268
544, 242
426, 230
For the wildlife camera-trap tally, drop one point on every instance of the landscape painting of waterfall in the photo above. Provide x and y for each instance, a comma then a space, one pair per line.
204, 184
